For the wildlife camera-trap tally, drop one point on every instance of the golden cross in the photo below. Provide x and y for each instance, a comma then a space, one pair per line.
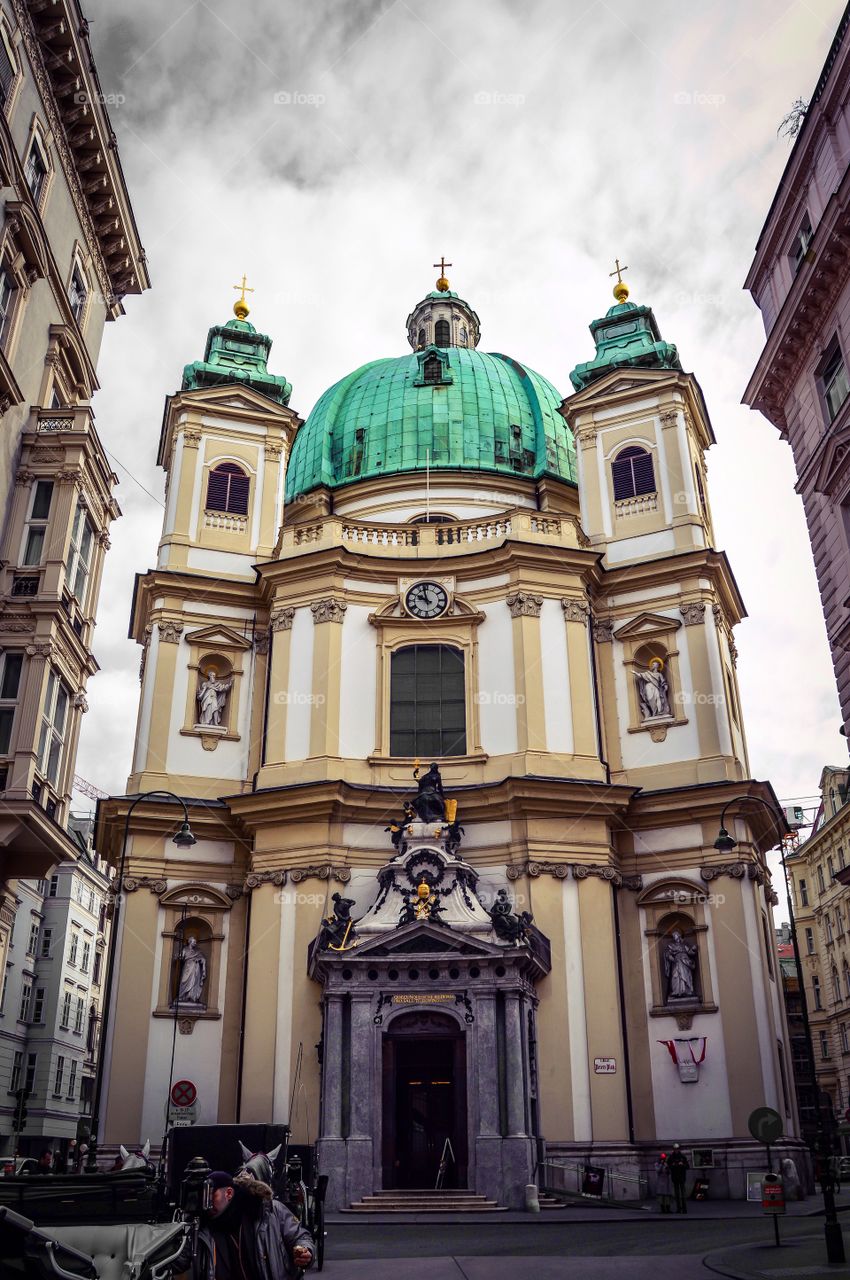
442, 264
243, 286
618, 271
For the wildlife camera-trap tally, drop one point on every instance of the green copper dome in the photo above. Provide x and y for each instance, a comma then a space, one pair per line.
454, 407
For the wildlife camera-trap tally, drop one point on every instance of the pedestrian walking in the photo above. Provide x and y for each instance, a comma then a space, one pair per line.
663, 1182
678, 1164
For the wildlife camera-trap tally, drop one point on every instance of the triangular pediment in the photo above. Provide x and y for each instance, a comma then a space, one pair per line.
627, 381
422, 938
242, 399
833, 470
647, 624
218, 637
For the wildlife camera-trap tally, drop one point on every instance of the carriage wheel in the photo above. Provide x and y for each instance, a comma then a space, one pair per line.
319, 1234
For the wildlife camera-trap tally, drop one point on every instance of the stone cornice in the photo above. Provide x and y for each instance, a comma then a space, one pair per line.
579, 871
316, 871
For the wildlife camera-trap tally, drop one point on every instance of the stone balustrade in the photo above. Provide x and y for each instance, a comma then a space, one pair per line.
426, 540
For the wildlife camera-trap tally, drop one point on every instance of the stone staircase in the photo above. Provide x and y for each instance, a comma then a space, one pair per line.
425, 1202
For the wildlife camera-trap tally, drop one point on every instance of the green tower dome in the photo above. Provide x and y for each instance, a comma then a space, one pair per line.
445, 405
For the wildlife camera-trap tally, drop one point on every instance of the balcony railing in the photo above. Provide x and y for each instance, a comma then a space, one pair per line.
455, 538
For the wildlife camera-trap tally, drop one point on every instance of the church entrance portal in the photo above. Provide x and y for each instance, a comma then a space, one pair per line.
424, 1103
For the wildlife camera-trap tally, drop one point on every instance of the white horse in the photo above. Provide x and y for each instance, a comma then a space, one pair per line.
138, 1160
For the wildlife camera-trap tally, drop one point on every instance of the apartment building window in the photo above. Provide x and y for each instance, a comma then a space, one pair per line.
80, 1014
17, 1068
80, 555
8, 298
54, 886
801, 242
52, 737
836, 985
816, 992
833, 380
35, 169
840, 852
75, 946
828, 928
36, 531
839, 922
66, 1010
47, 944
78, 293
95, 977
72, 1081
38, 1005
824, 1045
845, 1043
91, 1033
5, 989
810, 942
35, 930
804, 894
26, 998
29, 1079
821, 885
8, 67
10, 679
830, 866
60, 1077
84, 963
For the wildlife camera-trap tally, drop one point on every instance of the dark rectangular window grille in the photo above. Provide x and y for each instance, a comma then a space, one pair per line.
427, 702
633, 474
7, 70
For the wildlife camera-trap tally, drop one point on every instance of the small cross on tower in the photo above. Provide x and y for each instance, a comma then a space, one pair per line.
621, 289
240, 306
442, 283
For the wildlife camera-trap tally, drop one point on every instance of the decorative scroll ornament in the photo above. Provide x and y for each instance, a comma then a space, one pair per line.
281, 619
524, 605
329, 610
18, 622
580, 871
191, 439
132, 883
603, 630
669, 418
316, 871
693, 613
170, 632
575, 610
737, 870
186, 1026
274, 452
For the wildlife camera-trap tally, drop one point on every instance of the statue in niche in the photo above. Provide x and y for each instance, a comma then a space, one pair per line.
507, 925
680, 960
193, 973
212, 696
653, 691
430, 802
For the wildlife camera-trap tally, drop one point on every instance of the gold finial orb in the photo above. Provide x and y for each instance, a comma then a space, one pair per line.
442, 283
621, 291
240, 306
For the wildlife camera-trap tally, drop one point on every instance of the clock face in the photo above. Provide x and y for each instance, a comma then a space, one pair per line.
426, 600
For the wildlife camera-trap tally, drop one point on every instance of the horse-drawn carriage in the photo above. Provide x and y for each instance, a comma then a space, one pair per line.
136, 1221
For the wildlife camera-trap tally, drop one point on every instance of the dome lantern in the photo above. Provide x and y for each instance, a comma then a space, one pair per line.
442, 319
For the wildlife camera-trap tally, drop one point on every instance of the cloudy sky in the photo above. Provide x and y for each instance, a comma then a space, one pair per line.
334, 150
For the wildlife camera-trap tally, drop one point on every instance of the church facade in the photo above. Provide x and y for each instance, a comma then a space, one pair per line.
446, 677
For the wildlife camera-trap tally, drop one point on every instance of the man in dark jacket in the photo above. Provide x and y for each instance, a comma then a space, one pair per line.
677, 1163
248, 1235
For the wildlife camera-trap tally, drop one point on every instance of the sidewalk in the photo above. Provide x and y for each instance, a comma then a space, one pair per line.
800, 1255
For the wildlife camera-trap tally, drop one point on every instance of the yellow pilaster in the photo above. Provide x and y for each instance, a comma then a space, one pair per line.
602, 1009
130, 1021
261, 1003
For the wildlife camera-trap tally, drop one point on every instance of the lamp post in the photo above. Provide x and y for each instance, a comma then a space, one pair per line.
184, 839
832, 1227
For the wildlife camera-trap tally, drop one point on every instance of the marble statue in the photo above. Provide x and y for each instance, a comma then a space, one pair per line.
679, 965
430, 802
653, 691
193, 973
212, 696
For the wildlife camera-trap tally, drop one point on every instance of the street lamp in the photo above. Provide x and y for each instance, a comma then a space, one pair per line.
832, 1227
184, 839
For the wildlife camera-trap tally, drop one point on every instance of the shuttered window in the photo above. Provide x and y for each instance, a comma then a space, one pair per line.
227, 489
633, 473
442, 333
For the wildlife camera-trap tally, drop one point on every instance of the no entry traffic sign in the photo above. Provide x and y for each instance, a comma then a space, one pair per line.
184, 1093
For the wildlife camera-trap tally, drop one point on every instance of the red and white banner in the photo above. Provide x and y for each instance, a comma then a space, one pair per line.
687, 1055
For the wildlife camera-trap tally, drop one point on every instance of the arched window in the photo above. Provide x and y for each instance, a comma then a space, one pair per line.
427, 702
420, 339
227, 489
442, 333
633, 473
432, 517
464, 336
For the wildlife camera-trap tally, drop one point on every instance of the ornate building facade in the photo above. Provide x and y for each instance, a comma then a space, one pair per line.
531, 947
800, 280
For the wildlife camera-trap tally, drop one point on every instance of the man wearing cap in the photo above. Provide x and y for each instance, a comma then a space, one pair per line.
248, 1235
678, 1164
